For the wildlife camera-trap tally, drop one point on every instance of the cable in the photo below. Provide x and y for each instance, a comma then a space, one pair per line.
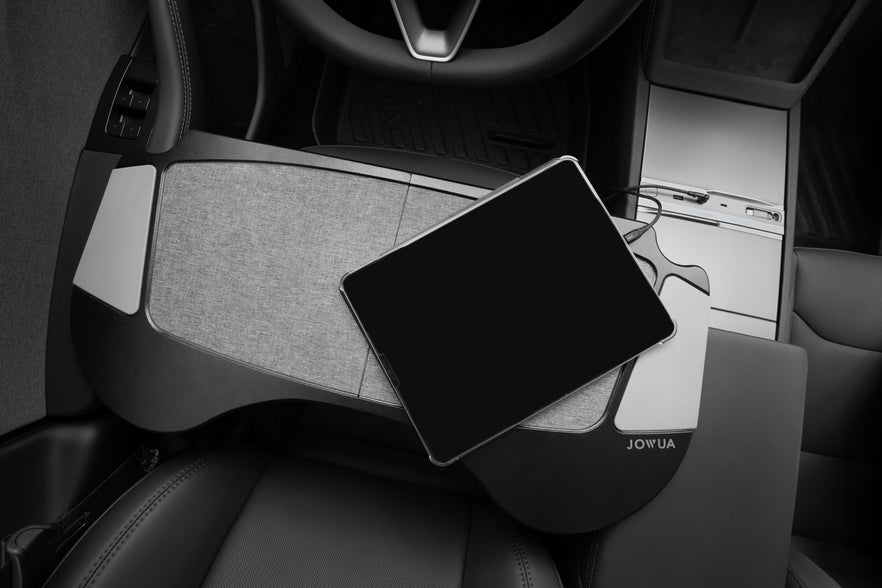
635, 234
700, 197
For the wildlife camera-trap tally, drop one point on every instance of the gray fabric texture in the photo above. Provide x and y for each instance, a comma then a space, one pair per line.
54, 60
248, 259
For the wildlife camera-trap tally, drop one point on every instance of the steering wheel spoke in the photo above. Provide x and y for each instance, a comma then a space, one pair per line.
428, 44
590, 22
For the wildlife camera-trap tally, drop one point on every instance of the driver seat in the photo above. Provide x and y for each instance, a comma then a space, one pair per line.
244, 516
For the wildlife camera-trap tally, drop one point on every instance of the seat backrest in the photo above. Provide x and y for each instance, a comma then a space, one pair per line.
838, 321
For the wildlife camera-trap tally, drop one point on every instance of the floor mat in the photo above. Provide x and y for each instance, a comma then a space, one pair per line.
226, 38
515, 129
838, 203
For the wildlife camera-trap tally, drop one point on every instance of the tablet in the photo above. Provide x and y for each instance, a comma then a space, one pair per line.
505, 308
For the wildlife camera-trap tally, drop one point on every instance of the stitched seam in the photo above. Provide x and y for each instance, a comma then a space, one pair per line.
519, 552
557, 577
595, 548
189, 77
470, 530
238, 516
188, 96
401, 216
180, 43
171, 15
144, 510
796, 579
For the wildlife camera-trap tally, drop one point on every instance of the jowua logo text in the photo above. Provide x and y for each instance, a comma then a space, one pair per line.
653, 443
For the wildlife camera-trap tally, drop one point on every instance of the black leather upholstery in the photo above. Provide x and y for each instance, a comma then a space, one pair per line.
838, 321
804, 573
180, 93
240, 516
850, 567
453, 170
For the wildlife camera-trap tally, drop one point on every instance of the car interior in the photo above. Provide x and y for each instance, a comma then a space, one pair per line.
187, 401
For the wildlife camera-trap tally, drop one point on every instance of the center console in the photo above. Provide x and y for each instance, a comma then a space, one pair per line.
735, 155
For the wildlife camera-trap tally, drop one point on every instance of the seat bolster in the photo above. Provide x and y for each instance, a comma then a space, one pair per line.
837, 294
166, 530
501, 553
802, 572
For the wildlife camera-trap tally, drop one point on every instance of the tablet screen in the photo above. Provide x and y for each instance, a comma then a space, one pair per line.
505, 308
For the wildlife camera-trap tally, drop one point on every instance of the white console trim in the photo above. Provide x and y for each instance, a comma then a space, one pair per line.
664, 390
112, 265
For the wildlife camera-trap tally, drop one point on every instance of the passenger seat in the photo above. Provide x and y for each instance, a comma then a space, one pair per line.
838, 321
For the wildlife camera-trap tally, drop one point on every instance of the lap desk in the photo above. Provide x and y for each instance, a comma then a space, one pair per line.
223, 292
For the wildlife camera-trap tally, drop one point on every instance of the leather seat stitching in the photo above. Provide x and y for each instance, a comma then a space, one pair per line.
796, 579
235, 520
189, 77
469, 530
595, 548
144, 510
519, 551
173, 16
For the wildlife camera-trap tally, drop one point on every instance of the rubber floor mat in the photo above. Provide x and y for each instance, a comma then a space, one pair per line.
515, 129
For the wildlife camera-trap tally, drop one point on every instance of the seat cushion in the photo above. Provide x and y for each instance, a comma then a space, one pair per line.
802, 572
240, 516
838, 321
849, 567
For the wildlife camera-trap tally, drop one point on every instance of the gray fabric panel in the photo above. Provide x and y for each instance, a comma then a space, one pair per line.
581, 410
54, 61
248, 259
310, 525
425, 209
375, 386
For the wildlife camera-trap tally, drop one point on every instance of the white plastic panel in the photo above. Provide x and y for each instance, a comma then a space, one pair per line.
664, 391
743, 267
716, 144
112, 265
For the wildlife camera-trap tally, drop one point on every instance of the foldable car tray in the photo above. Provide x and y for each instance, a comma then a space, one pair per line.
189, 315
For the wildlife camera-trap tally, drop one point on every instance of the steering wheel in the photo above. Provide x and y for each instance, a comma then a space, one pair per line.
434, 56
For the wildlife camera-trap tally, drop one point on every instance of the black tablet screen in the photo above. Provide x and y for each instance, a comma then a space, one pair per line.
497, 313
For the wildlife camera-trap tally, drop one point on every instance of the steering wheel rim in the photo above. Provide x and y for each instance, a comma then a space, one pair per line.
575, 36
